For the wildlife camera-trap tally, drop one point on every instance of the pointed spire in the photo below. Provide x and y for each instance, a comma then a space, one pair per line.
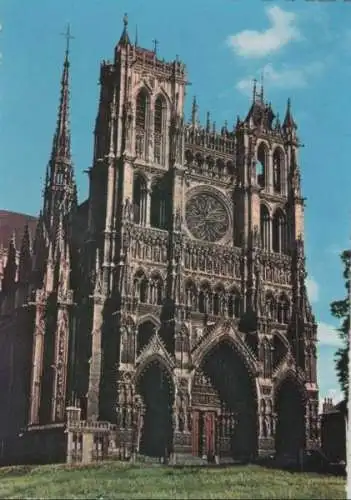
136, 35
25, 259
62, 138
277, 123
289, 122
208, 122
125, 40
11, 265
194, 111
59, 183
254, 90
262, 88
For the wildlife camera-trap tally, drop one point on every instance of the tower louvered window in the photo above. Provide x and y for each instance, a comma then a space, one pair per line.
158, 129
141, 120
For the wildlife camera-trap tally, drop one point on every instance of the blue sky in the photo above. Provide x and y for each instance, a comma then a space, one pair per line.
303, 49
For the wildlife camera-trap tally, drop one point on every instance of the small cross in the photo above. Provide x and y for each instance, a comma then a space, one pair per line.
68, 37
155, 42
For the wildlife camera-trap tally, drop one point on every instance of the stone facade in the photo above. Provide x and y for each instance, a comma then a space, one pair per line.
167, 314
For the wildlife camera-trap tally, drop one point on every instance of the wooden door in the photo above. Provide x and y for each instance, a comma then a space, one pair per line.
195, 433
210, 433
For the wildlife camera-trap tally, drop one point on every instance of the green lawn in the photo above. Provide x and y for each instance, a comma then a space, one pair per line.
121, 480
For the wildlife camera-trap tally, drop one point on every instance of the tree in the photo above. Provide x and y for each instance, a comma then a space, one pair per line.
340, 309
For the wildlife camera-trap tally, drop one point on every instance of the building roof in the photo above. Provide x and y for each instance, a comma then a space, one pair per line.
14, 223
340, 407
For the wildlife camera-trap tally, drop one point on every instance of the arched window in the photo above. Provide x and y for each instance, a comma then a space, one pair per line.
159, 117
204, 298
271, 307
142, 103
283, 310
218, 301
234, 304
278, 164
191, 295
139, 200
159, 206
141, 286
261, 165
279, 230
265, 227
141, 110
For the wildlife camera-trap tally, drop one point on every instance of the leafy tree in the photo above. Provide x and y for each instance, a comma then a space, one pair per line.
340, 309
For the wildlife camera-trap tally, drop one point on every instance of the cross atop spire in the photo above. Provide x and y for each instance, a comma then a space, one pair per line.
68, 37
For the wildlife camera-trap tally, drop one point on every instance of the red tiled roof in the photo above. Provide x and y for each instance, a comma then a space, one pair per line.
13, 222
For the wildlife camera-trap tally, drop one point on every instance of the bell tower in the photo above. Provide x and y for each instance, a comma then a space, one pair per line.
136, 184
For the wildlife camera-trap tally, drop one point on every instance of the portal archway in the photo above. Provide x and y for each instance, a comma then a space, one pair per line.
290, 409
235, 388
156, 388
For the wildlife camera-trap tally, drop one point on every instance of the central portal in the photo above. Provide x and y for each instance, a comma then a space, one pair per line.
156, 389
224, 405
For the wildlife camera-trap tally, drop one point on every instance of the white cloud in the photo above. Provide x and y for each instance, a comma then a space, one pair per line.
328, 335
257, 44
312, 289
285, 78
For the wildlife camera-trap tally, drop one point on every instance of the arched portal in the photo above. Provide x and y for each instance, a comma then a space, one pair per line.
236, 395
290, 409
156, 388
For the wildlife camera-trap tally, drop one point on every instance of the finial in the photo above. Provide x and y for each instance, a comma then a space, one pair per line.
194, 112
254, 90
155, 42
289, 120
124, 40
262, 91
68, 37
208, 122
136, 35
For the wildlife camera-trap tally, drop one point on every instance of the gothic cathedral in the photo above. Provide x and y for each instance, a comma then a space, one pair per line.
166, 315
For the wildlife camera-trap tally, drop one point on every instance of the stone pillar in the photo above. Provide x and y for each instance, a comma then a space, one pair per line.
148, 204
37, 357
73, 419
95, 360
88, 445
269, 167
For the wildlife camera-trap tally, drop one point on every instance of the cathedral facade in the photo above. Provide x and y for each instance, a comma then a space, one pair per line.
167, 315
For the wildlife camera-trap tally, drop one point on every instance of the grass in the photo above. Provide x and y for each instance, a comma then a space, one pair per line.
121, 480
